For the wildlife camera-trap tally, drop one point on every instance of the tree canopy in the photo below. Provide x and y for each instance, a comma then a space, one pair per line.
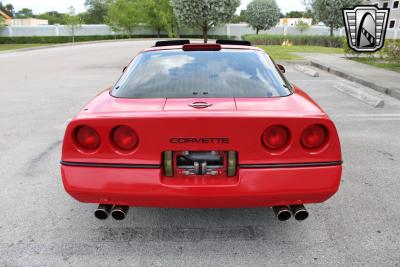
96, 11
8, 9
73, 21
302, 26
53, 17
125, 15
330, 11
160, 16
262, 14
24, 13
239, 18
204, 15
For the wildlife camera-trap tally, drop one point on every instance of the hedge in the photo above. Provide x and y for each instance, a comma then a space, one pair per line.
390, 51
317, 40
67, 39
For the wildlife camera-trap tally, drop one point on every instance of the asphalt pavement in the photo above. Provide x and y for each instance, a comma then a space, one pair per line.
40, 225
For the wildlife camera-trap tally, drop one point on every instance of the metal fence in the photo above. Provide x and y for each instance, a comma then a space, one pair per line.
228, 29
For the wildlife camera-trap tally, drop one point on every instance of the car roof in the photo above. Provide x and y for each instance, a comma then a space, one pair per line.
179, 47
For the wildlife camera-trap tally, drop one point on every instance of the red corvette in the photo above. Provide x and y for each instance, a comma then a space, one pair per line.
202, 126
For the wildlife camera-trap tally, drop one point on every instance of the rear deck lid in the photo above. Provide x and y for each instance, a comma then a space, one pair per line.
200, 104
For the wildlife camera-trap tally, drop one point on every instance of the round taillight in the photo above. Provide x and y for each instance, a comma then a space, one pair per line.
313, 136
87, 137
275, 137
124, 137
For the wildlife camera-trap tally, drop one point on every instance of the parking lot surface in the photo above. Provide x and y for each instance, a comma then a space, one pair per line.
41, 225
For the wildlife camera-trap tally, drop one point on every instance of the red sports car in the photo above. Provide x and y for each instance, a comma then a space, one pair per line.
202, 126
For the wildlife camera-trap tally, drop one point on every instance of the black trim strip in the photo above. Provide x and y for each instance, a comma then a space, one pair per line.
243, 166
111, 165
290, 165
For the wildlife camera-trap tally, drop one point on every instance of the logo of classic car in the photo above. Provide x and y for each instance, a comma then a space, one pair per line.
201, 140
366, 27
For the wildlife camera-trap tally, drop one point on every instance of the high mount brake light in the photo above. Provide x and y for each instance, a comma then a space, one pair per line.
275, 137
314, 136
87, 137
124, 137
201, 47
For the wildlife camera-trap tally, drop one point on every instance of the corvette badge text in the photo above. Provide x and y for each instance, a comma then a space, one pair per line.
366, 27
202, 140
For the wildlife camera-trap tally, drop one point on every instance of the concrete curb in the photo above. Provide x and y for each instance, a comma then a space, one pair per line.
307, 70
294, 62
361, 94
388, 91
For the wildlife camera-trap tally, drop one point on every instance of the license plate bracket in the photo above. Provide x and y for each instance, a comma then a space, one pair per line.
200, 163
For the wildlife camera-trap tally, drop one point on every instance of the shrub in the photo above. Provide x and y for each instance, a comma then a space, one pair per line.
390, 51
266, 39
348, 51
393, 51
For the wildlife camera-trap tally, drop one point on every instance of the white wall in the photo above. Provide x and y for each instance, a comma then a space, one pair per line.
229, 29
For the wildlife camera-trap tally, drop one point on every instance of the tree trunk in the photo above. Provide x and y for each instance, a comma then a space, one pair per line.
331, 30
73, 34
257, 30
205, 33
178, 35
158, 32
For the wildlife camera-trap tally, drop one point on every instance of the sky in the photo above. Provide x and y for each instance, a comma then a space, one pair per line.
40, 6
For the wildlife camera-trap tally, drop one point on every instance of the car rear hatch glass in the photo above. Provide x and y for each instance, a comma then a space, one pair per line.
227, 73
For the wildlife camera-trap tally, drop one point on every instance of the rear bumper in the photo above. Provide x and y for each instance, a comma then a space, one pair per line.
253, 187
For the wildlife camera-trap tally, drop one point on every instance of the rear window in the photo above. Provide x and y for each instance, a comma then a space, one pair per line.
179, 74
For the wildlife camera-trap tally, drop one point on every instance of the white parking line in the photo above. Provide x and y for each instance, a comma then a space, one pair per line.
373, 115
374, 119
367, 117
309, 80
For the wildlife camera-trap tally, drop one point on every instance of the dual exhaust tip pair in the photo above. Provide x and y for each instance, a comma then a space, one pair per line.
117, 212
284, 213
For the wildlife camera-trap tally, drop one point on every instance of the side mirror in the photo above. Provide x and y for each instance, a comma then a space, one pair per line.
124, 69
281, 68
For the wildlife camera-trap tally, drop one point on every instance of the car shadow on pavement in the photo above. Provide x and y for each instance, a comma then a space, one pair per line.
193, 225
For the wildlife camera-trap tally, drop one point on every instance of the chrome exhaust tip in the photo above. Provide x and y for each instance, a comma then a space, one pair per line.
282, 213
102, 211
119, 212
299, 212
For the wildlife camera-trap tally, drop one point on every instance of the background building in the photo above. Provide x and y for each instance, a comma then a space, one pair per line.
394, 5
28, 22
293, 21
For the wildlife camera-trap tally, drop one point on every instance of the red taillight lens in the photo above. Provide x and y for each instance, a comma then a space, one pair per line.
313, 136
275, 137
87, 137
124, 137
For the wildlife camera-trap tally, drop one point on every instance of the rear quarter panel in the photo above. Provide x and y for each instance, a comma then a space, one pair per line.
244, 128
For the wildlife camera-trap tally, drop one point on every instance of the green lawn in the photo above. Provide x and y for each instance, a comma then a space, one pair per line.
18, 46
395, 66
278, 52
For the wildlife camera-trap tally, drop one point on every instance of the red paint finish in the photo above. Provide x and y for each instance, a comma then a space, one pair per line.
184, 104
240, 122
252, 188
244, 128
